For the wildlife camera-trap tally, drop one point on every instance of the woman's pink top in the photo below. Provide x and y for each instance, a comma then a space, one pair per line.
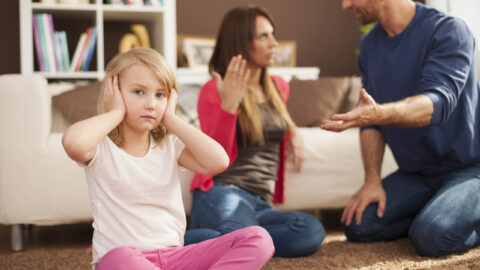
221, 126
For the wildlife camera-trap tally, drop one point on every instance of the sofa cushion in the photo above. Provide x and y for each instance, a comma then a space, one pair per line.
312, 101
353, 95
79, 103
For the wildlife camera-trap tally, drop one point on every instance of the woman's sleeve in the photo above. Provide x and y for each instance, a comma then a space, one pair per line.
217, 123
283, 86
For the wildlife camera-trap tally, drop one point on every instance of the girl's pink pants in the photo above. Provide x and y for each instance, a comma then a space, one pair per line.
248, 248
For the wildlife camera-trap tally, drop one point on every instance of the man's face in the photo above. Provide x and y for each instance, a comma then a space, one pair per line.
366, 11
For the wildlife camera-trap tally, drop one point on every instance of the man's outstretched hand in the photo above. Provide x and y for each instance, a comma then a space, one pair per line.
366, 113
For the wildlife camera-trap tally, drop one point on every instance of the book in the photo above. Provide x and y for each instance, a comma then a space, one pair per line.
38, 46
49, 42
78, 50
58, 51
43, 43
91, 48
56, 48
65, 53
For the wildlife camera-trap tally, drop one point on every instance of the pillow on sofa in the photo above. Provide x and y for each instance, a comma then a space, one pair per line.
312, 101
353, 96
79, 103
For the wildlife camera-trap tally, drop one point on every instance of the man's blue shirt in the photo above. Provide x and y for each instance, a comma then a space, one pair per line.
434, 56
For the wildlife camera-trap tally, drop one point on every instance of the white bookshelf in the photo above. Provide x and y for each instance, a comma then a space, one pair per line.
161, 27
200, 76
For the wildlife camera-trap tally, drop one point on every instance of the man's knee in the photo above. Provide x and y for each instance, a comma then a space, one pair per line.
365, 232
435, 238
426, 240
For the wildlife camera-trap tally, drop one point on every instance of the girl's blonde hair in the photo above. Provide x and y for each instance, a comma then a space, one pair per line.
235, 36
152, 60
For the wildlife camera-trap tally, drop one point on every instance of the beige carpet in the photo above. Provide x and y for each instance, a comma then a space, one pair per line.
335, 253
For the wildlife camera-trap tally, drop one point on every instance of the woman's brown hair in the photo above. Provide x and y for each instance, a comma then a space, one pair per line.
235, 37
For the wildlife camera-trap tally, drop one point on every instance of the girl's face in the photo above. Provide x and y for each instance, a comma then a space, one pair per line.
262, 50
145, 99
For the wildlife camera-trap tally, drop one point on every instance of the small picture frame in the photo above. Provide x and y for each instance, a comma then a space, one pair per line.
286, 54
194, 51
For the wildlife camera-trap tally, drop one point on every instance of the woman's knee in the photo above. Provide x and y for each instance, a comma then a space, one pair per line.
313, 233
302, 235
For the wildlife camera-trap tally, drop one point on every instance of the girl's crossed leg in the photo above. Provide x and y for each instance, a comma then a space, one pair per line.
248, 248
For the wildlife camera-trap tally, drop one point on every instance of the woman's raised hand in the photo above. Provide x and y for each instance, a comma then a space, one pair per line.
113, 98
233, 86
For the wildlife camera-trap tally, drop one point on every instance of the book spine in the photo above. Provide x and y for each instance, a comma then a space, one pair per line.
66, 54
78, 50
91, 48
43, 42
38, 46
50, 45
58, 51
56, 47
52, 37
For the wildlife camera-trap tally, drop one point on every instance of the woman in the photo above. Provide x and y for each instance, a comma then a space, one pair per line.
243, 108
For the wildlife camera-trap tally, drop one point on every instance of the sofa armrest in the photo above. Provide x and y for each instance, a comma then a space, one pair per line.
39, 184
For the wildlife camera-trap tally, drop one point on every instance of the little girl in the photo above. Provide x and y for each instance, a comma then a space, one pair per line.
131, 164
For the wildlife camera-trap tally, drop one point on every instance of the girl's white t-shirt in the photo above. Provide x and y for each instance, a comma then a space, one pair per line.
136, 201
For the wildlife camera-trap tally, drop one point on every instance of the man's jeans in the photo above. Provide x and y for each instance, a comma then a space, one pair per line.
226, 208
441, 215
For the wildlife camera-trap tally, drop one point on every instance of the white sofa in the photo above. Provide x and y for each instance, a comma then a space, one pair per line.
40, 185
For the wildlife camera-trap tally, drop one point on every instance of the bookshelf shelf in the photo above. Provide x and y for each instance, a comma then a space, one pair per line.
69, 75
200, 75
124, 8
160, 22
51, 7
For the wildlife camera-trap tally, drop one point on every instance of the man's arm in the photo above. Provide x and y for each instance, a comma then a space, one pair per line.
372, 147
415, 111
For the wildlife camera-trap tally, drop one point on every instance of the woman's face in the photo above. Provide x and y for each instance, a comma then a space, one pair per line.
262, 49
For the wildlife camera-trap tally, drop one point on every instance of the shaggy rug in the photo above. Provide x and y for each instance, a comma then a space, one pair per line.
335, 253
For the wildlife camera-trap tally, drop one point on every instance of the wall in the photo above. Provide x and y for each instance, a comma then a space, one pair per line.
10, 44
326, 35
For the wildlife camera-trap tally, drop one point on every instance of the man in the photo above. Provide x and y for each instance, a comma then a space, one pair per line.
421, 97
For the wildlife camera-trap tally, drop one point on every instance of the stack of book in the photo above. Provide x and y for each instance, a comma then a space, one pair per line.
84, 50
51, 47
